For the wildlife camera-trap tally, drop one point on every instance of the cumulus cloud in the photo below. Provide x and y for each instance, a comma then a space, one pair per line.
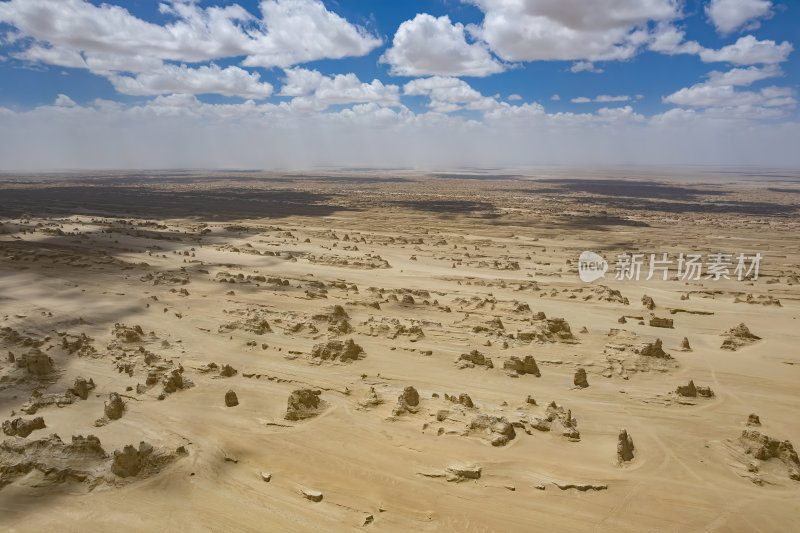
730, 15
748, 50
585, 66
719, 94
62, 100
448, 94
603, 98
427, 45
288, 32
315, 92
230, 81
574, 30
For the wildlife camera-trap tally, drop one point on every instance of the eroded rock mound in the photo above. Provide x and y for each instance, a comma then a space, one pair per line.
764, 448
458, 473
548, 330
20, 427
231, 400
737, 337
527, 365
580, 378
337, 350
407, 402
473, 358
556, 414
371, 399
693, 391
81, 387
304, 403
36, 362
142, 461
498, 430
82, 460
653, 349
624, 447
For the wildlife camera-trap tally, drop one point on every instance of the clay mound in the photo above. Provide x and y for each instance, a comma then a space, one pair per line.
753, 420
556, 414
82, 460
693, 391
462, 399
81, 387
648, 302
407, 402
580, 378
684, 347
764, 448
231, 400
497, 430
657, 322
337, 350
458, 473
624, 447
113, 409
473, 358
371, 399
128, 334
81, 345
522, 366
304, 403
38, 400
175, 381
227, 371
548, 330
20, 427
737, 337
35, 362
334, 314
142, 461
653, 349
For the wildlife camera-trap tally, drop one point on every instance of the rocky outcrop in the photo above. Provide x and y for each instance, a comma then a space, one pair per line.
407, 402
580, 378
497, 430
337, 350
304, 403
737, 337
81, 387
231, 400
20, 427
527, 365
693, 391
764, 448
472, 359
624, 447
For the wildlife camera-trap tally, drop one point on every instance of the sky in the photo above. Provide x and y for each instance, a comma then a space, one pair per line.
299, 84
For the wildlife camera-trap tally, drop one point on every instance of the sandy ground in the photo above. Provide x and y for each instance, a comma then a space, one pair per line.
246, 269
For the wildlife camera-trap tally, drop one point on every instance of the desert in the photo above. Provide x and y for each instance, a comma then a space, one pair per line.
395, 350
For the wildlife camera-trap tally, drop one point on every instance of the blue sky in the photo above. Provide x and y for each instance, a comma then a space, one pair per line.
683, 81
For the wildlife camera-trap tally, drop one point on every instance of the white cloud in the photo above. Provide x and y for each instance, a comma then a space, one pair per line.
287, 33
427, 46
575, 30
315, 92
514, 97
555, 98
743, 76
230, 81
603, 98
448, 94
62, 100
585, 66
719, 96
730, 15
748, 50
